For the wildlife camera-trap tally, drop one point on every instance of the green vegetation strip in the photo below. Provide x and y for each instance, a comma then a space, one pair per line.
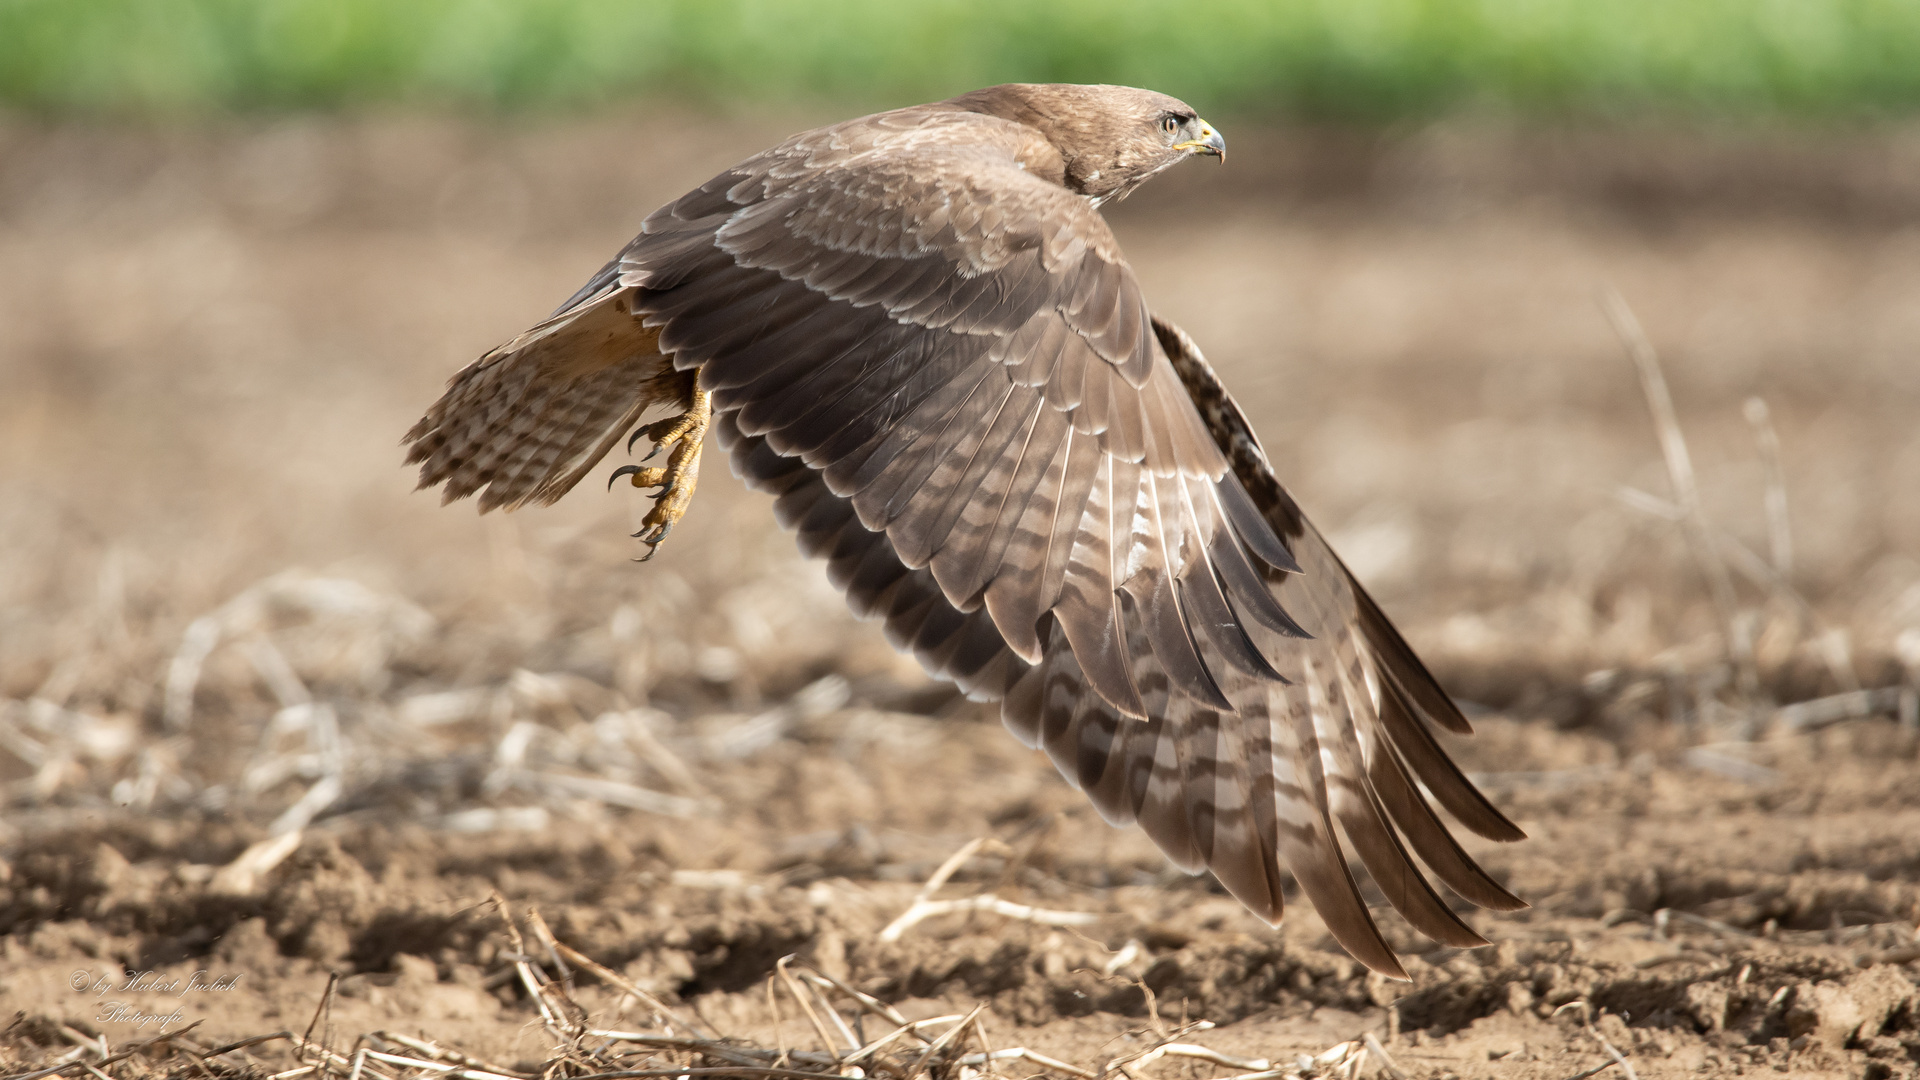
1330, 58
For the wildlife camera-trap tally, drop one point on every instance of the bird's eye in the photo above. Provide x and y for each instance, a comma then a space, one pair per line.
1170, 124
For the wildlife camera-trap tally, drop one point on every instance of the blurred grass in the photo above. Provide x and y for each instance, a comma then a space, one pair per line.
1370, 59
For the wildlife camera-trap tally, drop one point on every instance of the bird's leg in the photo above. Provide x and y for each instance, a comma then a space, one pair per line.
677, 479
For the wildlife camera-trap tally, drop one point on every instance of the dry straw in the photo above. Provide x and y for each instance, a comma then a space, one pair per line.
950, 1047
1718, 554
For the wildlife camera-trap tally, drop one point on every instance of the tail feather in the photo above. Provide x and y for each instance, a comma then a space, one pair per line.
525, 422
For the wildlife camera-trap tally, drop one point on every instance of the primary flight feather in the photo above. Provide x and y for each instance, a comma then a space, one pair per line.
916, 331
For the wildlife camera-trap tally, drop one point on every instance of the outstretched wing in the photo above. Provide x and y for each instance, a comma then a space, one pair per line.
1340, 738
956, 346
936, 359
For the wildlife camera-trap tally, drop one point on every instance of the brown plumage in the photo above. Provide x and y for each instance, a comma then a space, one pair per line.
916, 331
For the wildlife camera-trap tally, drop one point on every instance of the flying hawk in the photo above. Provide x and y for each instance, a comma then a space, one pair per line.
917, 332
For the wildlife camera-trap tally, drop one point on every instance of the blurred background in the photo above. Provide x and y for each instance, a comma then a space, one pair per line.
244, 242
1373, 60
1461, 254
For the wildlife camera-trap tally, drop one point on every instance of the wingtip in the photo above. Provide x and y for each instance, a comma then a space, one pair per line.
1503, 899
1396, 972
1499, 828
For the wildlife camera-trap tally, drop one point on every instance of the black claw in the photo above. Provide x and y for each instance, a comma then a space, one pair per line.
624, 470
653, 534
634, 438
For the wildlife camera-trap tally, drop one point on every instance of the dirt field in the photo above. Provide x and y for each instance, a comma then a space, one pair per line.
226, 621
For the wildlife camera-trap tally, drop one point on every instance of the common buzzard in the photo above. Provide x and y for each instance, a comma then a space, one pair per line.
917, 332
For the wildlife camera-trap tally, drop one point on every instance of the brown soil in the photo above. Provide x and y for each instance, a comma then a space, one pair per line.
211, 340
1718, 924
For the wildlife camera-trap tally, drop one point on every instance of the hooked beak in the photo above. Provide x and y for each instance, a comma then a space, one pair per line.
1207, 141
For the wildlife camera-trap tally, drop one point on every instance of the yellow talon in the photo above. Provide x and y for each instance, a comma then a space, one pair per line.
678, 478
642, 478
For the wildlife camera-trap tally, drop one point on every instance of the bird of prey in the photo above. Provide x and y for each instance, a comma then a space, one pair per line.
917, 332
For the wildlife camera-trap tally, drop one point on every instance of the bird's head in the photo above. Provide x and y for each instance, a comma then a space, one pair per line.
1112, 138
